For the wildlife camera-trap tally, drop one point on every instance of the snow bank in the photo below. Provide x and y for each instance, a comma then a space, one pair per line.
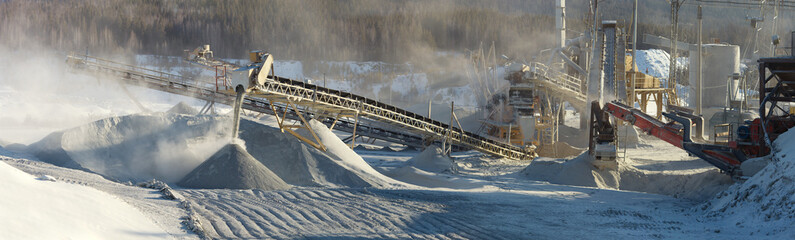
233, 168
433, 160
136, 147
289, 69
691, 184
656, 62
33, 209
766, 199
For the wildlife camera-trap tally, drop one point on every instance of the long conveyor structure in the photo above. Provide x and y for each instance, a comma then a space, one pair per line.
562, 85
287, 98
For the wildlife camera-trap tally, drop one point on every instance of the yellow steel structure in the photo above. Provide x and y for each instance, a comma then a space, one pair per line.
646, 88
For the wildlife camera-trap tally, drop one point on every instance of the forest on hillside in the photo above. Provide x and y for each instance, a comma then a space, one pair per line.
361, 30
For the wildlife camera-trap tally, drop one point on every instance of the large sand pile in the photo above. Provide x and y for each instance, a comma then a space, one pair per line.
167, 146
433, 160
50, 149
344, 156
136, 147
429, 168
412, 175
298, 163
766, 199
558, 150
691, 184
183, 108
232, 168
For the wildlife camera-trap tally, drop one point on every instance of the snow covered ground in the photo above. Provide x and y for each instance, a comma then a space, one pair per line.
482, 198
658, 192
80, 205
39, 208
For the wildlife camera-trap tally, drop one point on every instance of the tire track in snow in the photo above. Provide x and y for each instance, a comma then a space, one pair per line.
246, 215
236, 228
324, 213
218, 225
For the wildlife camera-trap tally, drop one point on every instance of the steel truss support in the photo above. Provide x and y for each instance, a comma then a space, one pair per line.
289, 127
208, 107
355, 126
377, 111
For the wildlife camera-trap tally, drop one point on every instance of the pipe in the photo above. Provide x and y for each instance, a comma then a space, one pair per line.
572, 63
240, 90
560, 22
687, 125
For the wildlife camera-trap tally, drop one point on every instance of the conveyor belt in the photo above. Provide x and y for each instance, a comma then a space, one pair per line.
314, 100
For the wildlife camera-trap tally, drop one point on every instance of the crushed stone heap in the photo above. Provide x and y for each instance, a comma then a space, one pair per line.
136, 147
766, 198
183, 108
579, 171
232, 167
298, 163
433, 160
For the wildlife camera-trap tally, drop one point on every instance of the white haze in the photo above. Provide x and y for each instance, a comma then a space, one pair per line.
38, 95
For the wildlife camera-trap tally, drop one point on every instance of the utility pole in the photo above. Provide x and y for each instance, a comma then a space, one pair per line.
775, 27
631, 97
675, 4
700, 68
756, 23
593, 79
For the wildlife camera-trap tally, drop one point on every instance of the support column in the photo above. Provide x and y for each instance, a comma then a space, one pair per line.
699, 87
560, 22
355, 125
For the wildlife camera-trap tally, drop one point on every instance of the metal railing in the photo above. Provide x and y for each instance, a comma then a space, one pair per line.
569, 87
722, 137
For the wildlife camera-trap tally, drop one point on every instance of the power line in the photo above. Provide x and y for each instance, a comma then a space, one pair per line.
782, 4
